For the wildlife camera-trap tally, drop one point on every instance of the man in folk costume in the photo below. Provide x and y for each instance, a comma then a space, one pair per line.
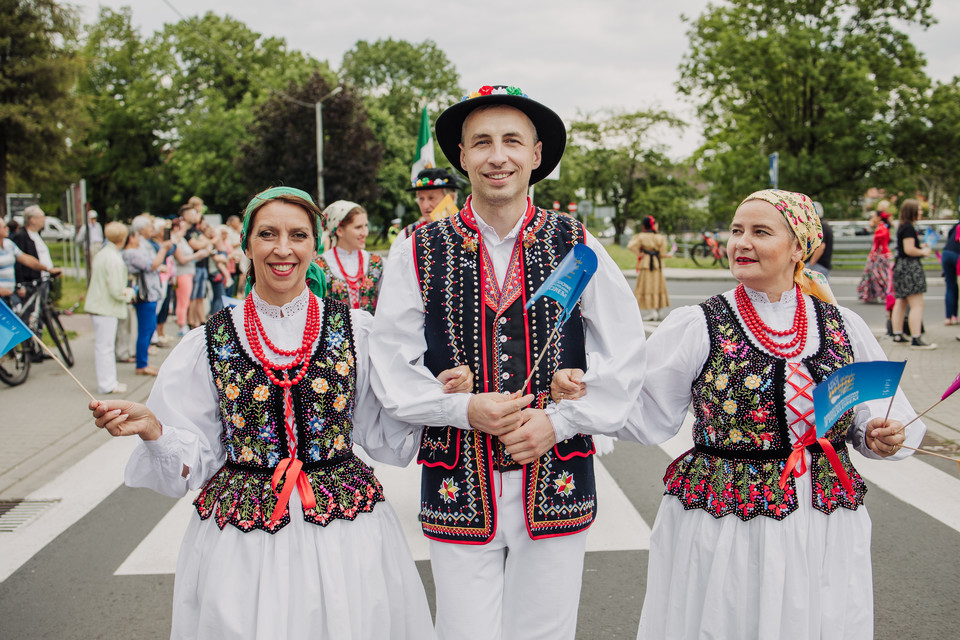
508, 487
431, 187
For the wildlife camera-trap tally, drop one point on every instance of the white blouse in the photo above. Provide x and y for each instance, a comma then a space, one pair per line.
184, 399
614, 345
678, 350
350, 261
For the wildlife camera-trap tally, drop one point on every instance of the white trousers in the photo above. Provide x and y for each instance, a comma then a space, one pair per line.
513, 587
125, 345
104, 336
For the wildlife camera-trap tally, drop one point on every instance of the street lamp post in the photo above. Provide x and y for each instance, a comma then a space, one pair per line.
319, 109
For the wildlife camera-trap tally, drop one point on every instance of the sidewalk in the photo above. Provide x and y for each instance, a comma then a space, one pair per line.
46, 426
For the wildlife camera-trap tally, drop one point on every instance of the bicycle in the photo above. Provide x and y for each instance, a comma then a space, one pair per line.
37, 312
15, 364
702, 252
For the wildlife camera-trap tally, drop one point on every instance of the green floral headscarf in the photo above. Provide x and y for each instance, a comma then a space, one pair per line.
316, 281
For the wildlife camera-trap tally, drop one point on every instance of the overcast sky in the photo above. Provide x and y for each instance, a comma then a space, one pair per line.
570, 54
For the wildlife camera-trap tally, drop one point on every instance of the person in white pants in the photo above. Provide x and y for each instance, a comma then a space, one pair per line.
507, 489
106, 302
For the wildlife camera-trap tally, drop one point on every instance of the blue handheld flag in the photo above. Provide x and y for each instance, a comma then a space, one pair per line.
852, 384
568, 280
12, 329
229, 302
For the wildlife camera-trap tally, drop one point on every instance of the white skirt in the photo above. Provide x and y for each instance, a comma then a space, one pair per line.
806, 576
346, 581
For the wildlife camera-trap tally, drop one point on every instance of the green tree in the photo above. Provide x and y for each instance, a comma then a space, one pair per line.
396, 78
224, 71
173, 109
816, 80
282, 148
39, 112
123, 155
927, 144
625, 168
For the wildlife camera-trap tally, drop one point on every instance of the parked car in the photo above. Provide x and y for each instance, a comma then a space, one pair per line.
53, 230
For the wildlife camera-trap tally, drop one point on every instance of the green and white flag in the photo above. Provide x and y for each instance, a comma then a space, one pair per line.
424, 158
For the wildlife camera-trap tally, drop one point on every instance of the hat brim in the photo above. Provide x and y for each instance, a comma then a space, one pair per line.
549, 126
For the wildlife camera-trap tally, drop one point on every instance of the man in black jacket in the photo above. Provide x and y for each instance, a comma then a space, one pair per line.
29, 240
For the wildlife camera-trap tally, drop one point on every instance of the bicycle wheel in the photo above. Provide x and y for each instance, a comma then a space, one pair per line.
15, 364
722, 257
52, 320
700, 253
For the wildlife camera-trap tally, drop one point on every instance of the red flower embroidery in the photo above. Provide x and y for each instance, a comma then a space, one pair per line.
485, 90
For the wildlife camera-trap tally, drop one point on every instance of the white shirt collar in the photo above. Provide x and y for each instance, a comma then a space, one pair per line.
486, 229
292, 308
788, 297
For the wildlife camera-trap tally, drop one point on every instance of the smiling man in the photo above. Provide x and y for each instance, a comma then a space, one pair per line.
507, 490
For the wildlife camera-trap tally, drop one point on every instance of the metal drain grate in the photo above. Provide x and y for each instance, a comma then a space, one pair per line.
16, 513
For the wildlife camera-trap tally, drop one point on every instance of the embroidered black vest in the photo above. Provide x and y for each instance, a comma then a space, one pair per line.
741, 439
369, 288
487, 329
255, 440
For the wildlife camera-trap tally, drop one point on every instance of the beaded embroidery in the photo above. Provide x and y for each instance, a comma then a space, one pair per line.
254, 438
369, 287
486, 327
741, 429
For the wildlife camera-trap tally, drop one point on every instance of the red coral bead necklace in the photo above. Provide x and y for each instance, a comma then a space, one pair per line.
254, 330
762, 332
353, 282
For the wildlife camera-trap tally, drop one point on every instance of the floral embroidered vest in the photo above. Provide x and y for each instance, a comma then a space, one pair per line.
255, 440
469, 320
741, 440
369, 286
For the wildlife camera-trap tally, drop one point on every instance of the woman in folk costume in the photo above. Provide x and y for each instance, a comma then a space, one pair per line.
877, 275
762, 532
258, 410
651, 248
353, 274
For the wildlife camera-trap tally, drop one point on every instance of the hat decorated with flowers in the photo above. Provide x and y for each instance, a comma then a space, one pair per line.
549, 126
434, 178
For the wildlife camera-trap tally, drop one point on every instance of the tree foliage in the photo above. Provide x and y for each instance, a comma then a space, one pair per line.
172, 110
928, 143
622, 166
396, 78
38, 110
816, 80
122, 156
282, 148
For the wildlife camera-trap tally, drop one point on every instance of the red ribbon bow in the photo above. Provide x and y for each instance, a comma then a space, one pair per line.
291, 470
797, 457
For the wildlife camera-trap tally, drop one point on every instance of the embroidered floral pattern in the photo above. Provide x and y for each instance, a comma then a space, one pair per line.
565, 484
255, 441
369, 286
487, 328
740, 431
448, 490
